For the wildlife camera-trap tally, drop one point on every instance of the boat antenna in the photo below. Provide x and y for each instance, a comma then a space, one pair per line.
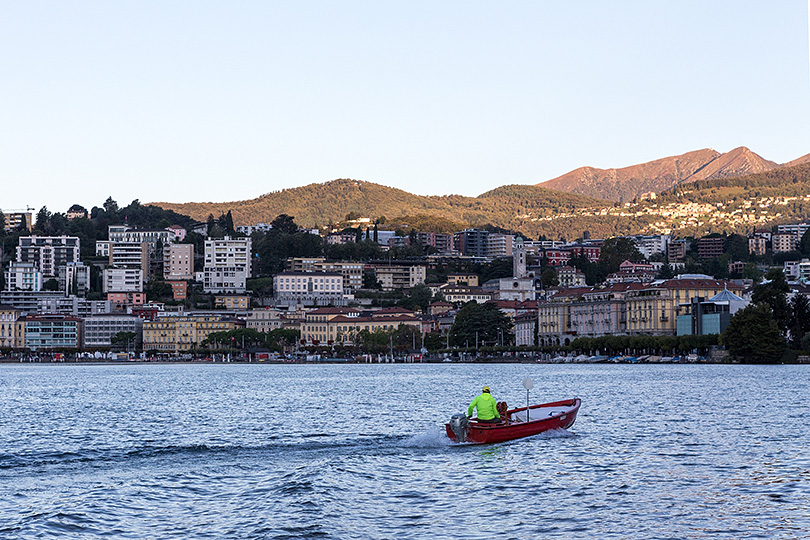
528, 384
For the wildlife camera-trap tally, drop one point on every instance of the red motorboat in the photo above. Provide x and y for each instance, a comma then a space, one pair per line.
518, 423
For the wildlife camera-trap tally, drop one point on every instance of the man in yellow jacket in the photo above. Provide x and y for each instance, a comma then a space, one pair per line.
487, 408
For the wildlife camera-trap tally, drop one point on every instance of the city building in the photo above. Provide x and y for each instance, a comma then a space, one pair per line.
126, 300
74, 279
126, 235
172, 333
178, 262
48, 253
179, 289
708, 248
784, 242
227, 265
676, 250
178, 232
264, 320
23, 276
757, 245
700, 316
589, 251
796, 229
653, 309
526, 330
327, 326
13, 221
558, 256
98, 330
10, 333
76, 211
239, 302
443, 242
51, 332
568, 276
122, 280
514, 288
499, 245
27, 301
352, 272
250, 229
308, 288
470, 280
650, 245
461, 294
73, 305
393, 276
133, 255
471, 242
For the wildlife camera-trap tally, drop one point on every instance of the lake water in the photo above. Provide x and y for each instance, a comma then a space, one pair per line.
359, 451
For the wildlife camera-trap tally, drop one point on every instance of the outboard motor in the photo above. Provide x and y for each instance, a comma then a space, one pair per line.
460, 426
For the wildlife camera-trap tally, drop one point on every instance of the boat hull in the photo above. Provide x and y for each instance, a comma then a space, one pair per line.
544, 417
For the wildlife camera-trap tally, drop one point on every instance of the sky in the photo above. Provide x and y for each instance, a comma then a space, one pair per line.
184, 101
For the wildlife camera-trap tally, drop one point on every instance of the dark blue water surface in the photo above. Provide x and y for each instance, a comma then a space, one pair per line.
359, 451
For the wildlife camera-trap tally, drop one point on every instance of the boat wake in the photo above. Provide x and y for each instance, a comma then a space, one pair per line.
433, 437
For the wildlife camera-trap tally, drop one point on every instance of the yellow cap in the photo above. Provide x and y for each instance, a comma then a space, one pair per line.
486, 389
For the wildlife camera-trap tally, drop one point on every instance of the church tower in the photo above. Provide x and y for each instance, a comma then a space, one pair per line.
519, 258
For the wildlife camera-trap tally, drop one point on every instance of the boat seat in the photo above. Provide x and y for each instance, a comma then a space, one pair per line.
502, 408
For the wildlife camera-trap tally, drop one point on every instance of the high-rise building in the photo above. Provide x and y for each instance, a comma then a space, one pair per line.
48, 253
178, 261
227, 265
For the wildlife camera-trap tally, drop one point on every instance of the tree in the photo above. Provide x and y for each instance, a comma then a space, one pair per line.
799, 323
804, 244
50, 285
420, 297
261, 288
42, 222
111, 207
617, 250
284, 224
736, 247
549, 277
754, 336
481, 323
226, 223
666, 272
773, 292
123, 339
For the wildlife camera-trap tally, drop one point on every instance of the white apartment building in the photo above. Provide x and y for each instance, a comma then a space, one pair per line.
757, 245
227, 265
98, 329
500, 245
309, 288
73, 305
48, 252
263, 320
352, 272
133, 255
250, 229
396, 276
74, 278
784, 242
23, 276
122, 280
796, 229
126, 234
649, 245
178, 261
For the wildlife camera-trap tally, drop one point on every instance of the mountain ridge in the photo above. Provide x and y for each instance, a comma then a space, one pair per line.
778, 195
626, 183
